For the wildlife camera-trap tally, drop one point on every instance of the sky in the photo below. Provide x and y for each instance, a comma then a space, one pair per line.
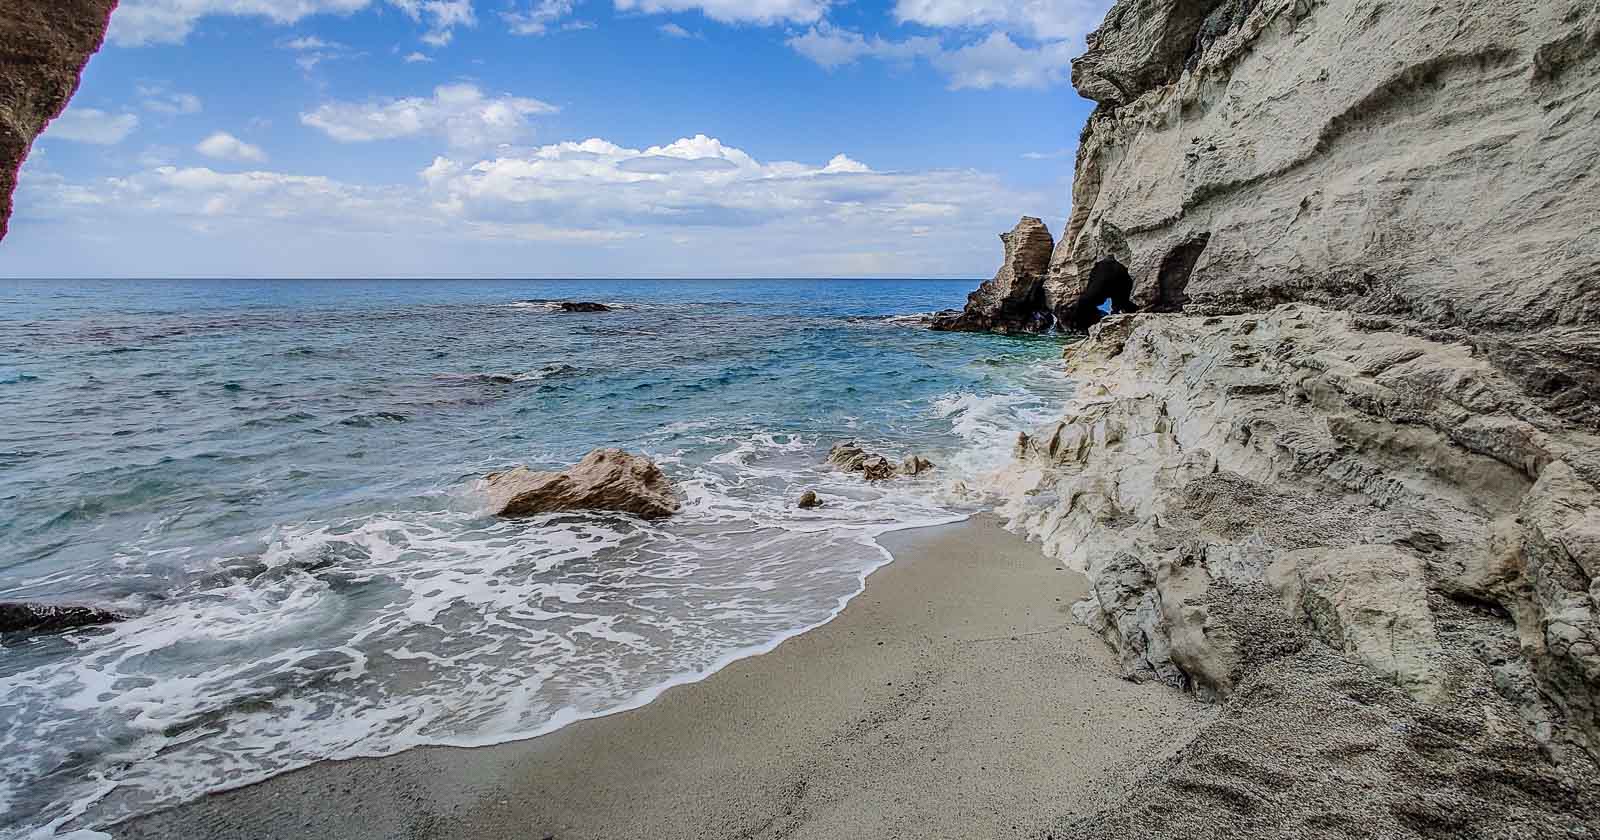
557, 138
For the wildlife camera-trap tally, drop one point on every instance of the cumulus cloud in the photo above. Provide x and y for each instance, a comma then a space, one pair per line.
417, 58
736, 11
460, 113
695, 206
998, 61
92, 125
143, 22
225, 146
672, 30
538, 16
160, 100
994, 61
831, 47
1044, 20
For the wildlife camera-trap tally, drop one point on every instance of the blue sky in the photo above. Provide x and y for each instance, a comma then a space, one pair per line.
556, 138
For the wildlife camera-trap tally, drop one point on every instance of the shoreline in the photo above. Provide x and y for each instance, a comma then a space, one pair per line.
822, 734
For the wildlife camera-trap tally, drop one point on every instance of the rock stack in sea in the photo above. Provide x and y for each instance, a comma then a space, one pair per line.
1013, 301
1341, 474
43, 49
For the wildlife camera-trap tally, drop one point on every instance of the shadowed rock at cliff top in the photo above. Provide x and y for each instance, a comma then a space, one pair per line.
1427, 161
606, 479
44, 45
1013, 301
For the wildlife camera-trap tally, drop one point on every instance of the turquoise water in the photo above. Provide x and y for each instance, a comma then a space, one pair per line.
277, 480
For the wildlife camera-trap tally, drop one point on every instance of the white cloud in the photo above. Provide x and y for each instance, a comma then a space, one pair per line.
417, 58
225, 146
831, 47
461, 113
1052, 155
143, 22
995, 61
695, 206
538, 17
160, 100
92, 125
672, 30
735, 11
1044, 20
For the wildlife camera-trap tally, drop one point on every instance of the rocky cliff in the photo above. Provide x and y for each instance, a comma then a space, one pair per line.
44, 45
1341, 472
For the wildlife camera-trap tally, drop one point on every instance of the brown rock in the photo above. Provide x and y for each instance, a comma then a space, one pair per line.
809, 500
606, 479
1013, 301
915, 465
852, 458
44, 45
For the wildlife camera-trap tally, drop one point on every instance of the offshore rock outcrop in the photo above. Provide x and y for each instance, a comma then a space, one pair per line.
606, 479
1341, 474
1013, 301
43, 49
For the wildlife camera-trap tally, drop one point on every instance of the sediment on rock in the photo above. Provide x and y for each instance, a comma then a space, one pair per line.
43, 49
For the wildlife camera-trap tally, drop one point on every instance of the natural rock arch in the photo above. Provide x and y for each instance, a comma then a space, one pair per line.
1108, 281
1172, 281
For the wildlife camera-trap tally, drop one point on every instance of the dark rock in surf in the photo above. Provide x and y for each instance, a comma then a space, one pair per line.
809, 500
582, 306
23, 617
606, 479
915, 465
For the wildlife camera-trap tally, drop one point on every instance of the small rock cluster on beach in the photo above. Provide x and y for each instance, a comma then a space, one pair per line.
605, 480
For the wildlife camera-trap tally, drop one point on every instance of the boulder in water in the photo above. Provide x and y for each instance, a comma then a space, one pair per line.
915, 465
850, 457
809, 500
582, 306
606, 479
23, 617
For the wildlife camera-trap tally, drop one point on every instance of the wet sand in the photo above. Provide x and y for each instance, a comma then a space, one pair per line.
955, 697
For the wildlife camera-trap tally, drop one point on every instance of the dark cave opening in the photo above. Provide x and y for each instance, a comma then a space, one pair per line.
1173, 281
1109, 282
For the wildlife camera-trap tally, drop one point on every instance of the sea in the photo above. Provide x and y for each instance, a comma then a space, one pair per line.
278, 483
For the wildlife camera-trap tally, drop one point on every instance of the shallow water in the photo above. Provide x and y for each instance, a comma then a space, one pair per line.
277, 480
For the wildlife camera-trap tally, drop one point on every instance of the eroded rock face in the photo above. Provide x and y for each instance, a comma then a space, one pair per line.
43, 49
606, 479
1013, 301
1265, 501
1424, 161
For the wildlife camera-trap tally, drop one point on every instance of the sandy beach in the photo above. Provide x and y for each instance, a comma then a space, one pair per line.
954, 697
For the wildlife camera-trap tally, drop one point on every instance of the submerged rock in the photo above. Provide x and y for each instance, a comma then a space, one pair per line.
915, 465
606, 479
1013, 301
809, 500
850, 457
581, 306
24, 617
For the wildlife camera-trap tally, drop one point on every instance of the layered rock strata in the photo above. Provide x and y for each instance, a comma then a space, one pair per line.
1375, 549
1341, 474
43, 49
1013, 300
